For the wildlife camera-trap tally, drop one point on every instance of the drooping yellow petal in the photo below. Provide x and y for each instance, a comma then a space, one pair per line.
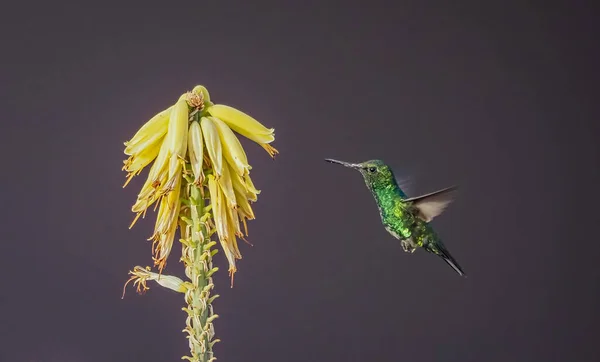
244, 207
146, 143
251, 189
232, 242
168, 211
221, 218
163, 248
178, 128
176, 140
157, 178
235, 223
160, 165
149, 194
217, 206
242, 217
155, 127
232, 148
175, 171
245, 125
239, 185
160, 218
166, 225
242, 123
174, 201
234, 251
155, 139
136, 163
213, 144
196, 152
227, 186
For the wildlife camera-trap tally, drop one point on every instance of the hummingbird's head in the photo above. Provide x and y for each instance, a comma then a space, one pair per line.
375, 172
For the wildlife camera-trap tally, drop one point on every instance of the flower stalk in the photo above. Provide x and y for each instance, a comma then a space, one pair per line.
200, 182
197, 256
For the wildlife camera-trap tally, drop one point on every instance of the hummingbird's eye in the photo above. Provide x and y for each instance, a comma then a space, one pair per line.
372, 169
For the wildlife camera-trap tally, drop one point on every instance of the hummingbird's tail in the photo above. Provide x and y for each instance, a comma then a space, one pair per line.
445, 254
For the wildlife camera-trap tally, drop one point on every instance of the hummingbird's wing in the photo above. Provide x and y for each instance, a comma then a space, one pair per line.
432, 204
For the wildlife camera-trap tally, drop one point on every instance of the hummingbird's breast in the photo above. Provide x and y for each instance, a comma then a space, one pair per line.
395, 215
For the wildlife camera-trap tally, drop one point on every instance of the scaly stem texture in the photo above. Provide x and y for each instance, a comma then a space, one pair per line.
197, 256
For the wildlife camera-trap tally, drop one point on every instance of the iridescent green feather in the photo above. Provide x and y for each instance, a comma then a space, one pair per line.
406, 219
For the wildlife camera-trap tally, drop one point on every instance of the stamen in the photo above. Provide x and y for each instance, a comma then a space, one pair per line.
270, 149
139, 278
195, 100
231, 274
136, 219
243, 238
245, 225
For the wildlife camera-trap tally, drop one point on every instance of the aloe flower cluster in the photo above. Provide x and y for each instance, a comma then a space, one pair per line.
200, 182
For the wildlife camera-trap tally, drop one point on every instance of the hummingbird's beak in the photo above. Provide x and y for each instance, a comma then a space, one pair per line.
351, 165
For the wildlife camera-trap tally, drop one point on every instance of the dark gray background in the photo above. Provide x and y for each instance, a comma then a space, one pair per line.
496, 97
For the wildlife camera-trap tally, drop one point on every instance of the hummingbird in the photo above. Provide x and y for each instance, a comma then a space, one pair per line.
407, 219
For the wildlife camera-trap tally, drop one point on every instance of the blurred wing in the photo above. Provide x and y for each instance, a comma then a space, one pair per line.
405, 184
431, 205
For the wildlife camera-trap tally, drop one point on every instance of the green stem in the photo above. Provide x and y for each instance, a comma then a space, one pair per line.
197, 256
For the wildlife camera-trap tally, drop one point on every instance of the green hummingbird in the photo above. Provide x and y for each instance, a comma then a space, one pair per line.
407, 219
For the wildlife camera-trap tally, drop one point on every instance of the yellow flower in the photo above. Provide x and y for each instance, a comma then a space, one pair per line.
195, 137
232, 148
213, 144
178, 128
240, 186
245, 125
244, 208
217, 208
223, 222
140, 277
196, 152
166, 225
227, 187
176, 140
169, 154
144, 146
251, 189
234, 251
157, 178
136, 162
155, 128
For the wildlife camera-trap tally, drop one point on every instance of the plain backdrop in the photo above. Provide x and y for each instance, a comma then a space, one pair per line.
499, 97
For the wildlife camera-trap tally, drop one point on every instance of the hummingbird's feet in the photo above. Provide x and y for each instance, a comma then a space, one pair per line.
408, 245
